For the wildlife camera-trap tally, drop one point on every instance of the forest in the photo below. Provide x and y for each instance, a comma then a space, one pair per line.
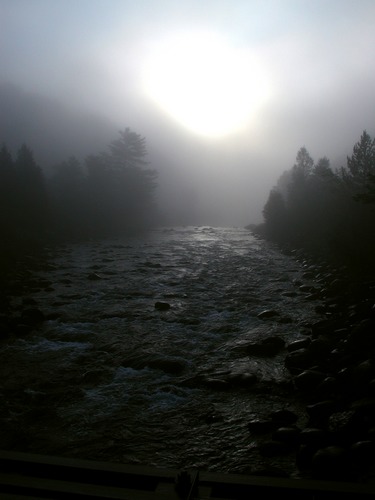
111, 193
328, 213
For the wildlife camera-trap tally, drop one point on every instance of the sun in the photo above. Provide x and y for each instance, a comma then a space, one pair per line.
204, 83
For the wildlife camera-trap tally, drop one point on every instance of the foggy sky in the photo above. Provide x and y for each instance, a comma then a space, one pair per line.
71, 77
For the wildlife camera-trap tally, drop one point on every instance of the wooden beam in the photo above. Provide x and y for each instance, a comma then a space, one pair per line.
29, 476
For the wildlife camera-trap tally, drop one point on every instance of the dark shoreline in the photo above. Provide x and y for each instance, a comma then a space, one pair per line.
333, 374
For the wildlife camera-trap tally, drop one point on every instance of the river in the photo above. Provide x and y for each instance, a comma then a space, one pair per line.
140, 338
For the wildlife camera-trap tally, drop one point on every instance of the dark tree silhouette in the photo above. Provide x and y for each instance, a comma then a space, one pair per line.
322, 170
8, 201
68, 193
121, 188
275, 216
128, 151
31, 196
328, 213
24, 206
127, 157
360, 172
368, 195
304, 164
112, 194
361, 164
298, 195
100, 187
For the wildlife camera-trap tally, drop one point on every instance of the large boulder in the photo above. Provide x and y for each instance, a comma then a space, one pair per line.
162, 306
332, 463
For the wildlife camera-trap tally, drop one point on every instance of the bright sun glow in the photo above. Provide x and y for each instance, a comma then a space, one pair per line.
206, 85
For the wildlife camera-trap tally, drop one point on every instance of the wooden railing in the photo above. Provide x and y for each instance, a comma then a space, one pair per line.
29, 476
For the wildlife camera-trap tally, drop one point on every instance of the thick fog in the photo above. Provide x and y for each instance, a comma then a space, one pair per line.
225, 92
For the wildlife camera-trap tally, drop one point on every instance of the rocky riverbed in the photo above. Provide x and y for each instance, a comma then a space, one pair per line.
195, 347
333, 373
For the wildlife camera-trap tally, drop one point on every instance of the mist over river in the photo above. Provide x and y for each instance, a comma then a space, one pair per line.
141, 357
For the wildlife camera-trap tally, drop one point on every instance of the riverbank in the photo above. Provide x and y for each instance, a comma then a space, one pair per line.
333, 374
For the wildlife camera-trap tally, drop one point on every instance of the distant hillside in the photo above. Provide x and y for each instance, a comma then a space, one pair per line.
51, 130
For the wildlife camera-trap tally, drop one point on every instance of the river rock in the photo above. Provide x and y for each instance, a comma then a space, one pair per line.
362, 452
309, 379
304, 456
299, 344
267, 347
314, 436
336, 286
328, 326
364, 406
347, 425
328, 388
217, 384
268, 313
288, 435
320, 346
320, 412
361, 375
362, 336
331, 463
162, 306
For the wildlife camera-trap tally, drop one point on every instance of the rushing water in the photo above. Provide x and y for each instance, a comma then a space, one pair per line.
109, 376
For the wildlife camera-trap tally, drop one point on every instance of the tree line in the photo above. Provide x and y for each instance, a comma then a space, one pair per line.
108, 194
329, 213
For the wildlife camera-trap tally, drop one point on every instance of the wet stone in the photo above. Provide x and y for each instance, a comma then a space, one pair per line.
288, 435
162, 306
308, 379
268, 313
313, 436
299, 344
